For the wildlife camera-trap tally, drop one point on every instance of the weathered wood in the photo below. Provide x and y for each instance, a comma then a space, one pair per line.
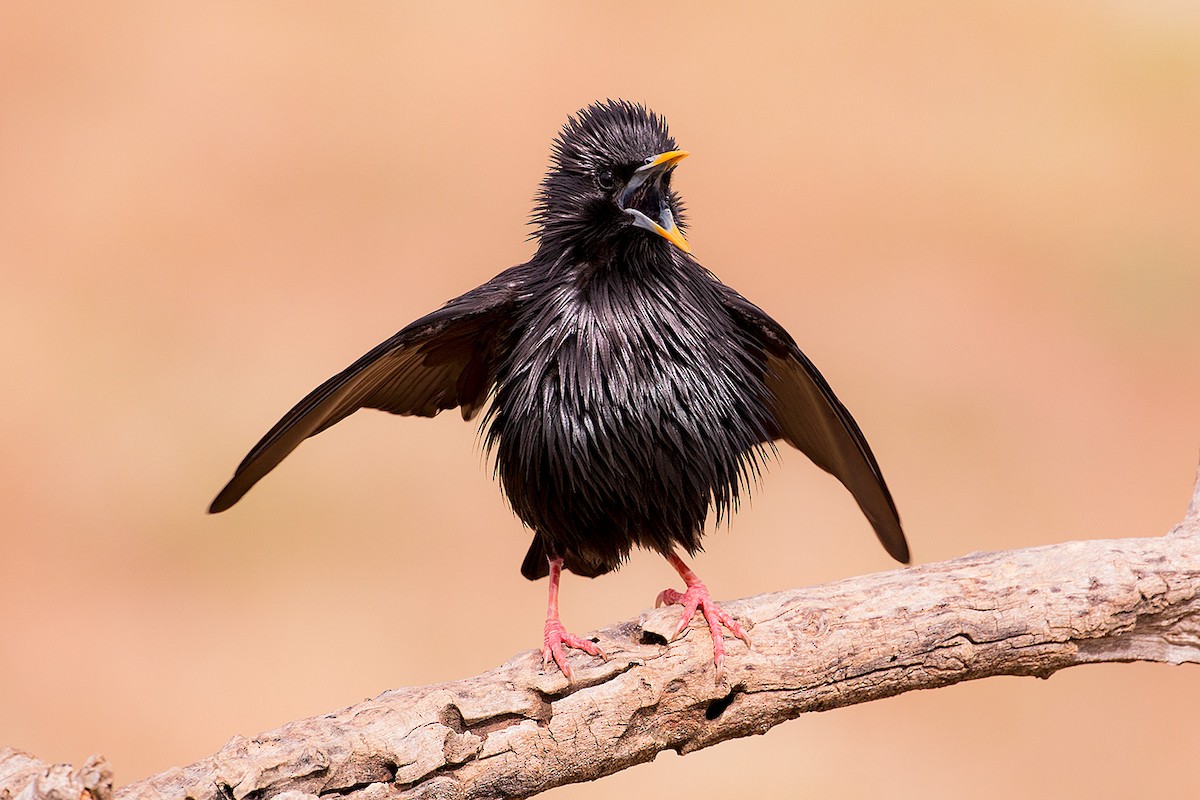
516, 731
23, 777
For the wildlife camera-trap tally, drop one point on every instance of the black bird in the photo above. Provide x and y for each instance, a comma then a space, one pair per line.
631, 391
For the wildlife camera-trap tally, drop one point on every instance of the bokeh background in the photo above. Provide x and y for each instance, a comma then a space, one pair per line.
979, 219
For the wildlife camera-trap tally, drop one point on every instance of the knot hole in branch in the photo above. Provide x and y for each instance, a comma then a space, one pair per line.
717, 707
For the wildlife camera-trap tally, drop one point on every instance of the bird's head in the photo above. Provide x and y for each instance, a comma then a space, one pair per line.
610, 182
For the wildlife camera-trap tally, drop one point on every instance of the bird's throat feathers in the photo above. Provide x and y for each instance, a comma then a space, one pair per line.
637, 257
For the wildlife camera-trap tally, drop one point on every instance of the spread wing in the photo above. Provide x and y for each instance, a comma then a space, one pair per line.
809, 416
443, 360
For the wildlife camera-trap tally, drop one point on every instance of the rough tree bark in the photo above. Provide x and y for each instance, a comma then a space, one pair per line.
516, 731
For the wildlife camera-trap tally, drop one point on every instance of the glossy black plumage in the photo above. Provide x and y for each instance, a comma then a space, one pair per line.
631, 391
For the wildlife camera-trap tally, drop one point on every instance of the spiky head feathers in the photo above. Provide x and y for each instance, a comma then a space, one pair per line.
595, 154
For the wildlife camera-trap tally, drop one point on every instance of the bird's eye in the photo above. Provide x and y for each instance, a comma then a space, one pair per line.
606, 179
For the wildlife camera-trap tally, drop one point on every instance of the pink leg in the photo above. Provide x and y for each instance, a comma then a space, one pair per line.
697, 598
555, 636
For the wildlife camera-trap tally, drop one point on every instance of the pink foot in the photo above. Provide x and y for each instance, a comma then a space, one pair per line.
697, 598
556, 638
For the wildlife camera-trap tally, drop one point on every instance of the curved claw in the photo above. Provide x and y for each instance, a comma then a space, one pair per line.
667, 597
556, 638
697, 598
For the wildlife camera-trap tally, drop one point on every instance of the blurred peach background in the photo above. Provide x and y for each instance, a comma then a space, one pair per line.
980, 220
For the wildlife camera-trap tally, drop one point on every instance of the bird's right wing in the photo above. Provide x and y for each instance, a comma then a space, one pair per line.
809, 416
445, 359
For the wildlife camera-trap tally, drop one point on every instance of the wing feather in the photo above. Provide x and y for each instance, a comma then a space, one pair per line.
443, 360
810, 417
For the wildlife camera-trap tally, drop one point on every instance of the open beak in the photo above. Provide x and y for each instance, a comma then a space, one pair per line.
645, 190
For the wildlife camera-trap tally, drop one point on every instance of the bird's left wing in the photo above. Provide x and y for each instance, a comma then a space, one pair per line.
809, 416
445, 359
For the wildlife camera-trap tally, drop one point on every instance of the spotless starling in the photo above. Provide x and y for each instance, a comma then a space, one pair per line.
631, 391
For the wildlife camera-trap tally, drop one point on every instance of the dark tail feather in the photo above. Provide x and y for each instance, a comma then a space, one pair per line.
536, 564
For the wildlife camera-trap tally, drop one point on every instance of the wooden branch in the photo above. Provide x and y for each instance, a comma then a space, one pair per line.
26, 778
516, 731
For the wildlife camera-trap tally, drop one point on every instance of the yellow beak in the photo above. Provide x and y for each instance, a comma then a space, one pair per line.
674, 236
664, 160
665, 225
